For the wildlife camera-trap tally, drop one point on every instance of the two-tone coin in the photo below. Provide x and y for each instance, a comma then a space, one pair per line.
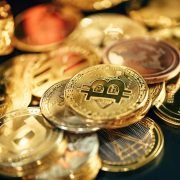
156, 61
63, 63
106, 92
131, 147
77, 160
43, 27
100, 30
169, 110
27, 144
55, 111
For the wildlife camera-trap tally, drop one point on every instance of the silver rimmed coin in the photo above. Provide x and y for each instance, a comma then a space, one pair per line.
53, 108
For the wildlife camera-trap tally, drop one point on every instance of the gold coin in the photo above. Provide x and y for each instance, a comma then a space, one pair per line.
90, 5
106, 92
27, 144
54, 110
43, 27
157, 92
161, 13
169, 110
17, 74
6, 28
76, 161
132, 147
60, 64
171, 35
103, 29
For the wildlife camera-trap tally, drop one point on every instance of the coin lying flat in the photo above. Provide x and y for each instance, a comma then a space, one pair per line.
27, 144
77, 159
54, 110
130, 148
106, 92
100, 30
62, 63
169, 110
6, 29
155, 60
91, 4
43, 27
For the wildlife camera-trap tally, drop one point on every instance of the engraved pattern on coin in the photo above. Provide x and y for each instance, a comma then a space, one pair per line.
131, 147
129, 83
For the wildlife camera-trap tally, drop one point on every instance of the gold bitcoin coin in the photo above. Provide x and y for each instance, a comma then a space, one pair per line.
77, 161
54, 110
6, 28
106, 92
132, 147
159, 13
158, 93
90, 5
60, 64
103, 29
27, 144
169, 110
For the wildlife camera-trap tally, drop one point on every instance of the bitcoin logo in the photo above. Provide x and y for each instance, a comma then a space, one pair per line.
113, 89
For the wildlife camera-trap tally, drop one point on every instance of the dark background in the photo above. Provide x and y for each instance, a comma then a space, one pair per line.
166, 166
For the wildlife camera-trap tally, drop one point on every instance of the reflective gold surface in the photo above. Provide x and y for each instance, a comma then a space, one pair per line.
53, 108
100, 30
159, 13
27, 143
131, 147
91, 4
106, 92
6, 28
80, 159
169, 110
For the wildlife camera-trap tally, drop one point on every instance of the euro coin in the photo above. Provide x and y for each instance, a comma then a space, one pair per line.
54, 110
106, 92
156, 61
132, 147
27, 144
43, 27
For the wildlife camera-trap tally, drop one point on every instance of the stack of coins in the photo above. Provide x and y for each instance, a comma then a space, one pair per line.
92, 85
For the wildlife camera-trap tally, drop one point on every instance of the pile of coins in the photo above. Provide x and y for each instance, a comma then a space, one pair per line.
80, 101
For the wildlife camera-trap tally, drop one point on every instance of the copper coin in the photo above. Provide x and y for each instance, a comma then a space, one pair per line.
155, 60
44, 26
